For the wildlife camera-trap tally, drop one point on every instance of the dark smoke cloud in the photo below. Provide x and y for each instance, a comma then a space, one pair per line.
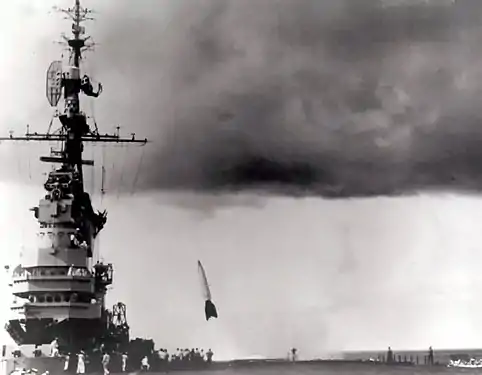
306, 97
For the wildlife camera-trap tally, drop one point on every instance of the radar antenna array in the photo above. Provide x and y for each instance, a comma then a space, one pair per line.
74, 130
54, 83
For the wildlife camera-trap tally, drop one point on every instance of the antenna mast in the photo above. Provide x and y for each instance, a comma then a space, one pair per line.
74, 130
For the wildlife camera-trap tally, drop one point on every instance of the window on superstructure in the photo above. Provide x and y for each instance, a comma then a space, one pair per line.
57, 298
41, 299
49, 298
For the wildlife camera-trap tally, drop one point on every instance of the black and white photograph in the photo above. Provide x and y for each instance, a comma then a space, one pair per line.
253, 186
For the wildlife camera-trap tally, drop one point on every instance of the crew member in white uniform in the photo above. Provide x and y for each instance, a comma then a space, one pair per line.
145, 364
105, 363
67, 361
54, 348
124, 362
81, 363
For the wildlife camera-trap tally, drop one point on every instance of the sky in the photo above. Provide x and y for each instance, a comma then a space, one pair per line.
260, 116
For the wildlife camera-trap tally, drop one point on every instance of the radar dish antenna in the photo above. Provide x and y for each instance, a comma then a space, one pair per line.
54, 83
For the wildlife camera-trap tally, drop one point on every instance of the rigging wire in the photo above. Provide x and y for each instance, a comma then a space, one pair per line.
113, 169
29, 170
102, 192
96, 252
92, 173
102, 188
23, 230
89, 70
19, 167
121, 179
29, 157
139, 167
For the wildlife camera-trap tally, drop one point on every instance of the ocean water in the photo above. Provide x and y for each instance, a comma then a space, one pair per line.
440, 355
336, 369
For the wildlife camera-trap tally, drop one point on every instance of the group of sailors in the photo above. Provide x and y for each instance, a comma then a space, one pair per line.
187, 355
391, 358
78, 271
181, 356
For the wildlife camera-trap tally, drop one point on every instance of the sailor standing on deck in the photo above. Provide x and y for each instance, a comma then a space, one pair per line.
67, 362
294, 357
105, 363
209, 356
145, 364
124, 362
54, 348
81, 363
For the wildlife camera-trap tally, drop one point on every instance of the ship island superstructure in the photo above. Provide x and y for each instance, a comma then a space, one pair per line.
59, 293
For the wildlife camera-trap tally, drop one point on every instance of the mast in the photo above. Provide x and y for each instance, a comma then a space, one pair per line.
74, 130
70, 303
